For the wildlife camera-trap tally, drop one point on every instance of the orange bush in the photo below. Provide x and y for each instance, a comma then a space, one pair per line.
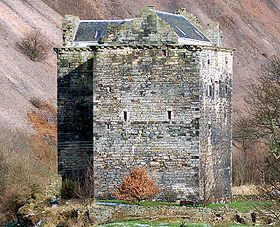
136, 186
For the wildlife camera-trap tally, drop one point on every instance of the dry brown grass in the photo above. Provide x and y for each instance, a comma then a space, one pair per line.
22, 174
44, 122
27, 163
247, 189
81, 8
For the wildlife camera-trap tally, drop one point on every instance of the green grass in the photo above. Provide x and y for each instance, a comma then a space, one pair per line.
142, 223
142, 203
245, 207
165, 223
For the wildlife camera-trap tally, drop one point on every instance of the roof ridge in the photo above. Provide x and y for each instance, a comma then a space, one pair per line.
173, 14
118, 20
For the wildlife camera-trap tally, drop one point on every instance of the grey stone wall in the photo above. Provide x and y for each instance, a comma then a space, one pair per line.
145, 101
69, 26
214, 33
165, 108
146, 83
215, 123
146, 28
74, 101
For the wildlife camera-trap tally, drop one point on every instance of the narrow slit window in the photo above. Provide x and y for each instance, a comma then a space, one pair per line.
163, 53
210, 90
208, 61
169, 114
108, 126
125, 115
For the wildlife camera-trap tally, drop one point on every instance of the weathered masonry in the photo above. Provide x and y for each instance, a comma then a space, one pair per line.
153, 91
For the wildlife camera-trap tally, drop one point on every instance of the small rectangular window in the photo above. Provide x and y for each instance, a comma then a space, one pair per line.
169, 114
125, 115
163, 53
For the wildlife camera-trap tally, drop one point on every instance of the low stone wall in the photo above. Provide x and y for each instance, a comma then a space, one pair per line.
90, 213
104, 214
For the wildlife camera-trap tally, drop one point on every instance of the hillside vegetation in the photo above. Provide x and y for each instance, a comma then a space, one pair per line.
252, 27
28, 85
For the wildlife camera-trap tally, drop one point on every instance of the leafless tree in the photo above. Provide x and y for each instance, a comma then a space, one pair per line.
264, 102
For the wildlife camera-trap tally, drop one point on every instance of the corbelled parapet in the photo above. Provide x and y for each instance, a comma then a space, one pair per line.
214, 33
70, 24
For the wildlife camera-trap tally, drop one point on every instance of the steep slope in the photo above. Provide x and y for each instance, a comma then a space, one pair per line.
21, 79
250, 26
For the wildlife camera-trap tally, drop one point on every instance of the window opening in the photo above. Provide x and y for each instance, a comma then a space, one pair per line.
98, 34
210, 90
208, 61
169, 114
163, 53
125, 115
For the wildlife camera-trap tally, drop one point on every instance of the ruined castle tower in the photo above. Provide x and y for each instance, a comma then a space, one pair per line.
153, 91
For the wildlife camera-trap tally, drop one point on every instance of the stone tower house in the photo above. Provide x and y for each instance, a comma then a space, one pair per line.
153, 91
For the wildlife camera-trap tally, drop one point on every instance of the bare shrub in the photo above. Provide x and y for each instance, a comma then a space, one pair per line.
36, 102
136, 186
44, 120
34, 46
247, 166
85, 183
81, 185
21, 174
169, 195
271, 190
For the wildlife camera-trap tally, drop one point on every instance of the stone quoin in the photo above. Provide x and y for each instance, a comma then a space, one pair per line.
153, 91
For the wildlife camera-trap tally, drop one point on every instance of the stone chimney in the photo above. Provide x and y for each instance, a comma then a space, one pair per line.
69, 26
213, 32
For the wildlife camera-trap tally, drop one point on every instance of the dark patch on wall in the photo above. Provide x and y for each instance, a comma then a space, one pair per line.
75, 122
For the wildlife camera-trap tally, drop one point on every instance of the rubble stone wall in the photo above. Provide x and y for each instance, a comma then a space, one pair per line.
74, 103
146, 112
215, 123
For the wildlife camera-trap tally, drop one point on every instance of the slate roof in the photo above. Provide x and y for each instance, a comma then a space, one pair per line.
92, 30
89, 31
182, 26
